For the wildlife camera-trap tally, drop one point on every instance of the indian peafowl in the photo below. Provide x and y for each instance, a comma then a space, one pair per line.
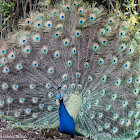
67, 125
75, 67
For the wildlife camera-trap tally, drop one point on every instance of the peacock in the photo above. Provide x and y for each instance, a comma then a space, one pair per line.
75, 67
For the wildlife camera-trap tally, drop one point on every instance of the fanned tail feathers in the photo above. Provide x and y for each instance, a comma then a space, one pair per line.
72, 49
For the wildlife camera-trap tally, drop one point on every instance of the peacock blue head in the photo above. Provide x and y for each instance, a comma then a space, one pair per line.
59, 97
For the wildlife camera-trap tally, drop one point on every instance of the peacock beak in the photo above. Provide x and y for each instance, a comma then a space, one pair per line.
60, 98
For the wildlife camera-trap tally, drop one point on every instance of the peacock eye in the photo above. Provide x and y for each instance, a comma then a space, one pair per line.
64, 76
86, 64
15, 87
78, 33
41, 17
57, 54
5, 69
122, 33
51, 70
3, 51
27, 50
4, 86
36, 38
92, 17
9, 100
27, 35
57, 34
131, 50
101, 61
81, 21
54, 12
19, 66
69, 63
44, 50
28, 21
136, 91
75, 3
23, 40
102, 31
35, 64
68, 7
80, 10
1, 113
60, 27
114, 60
106, 29
62, 16
74, 51
137, 34
39, 25
127, 65
78, 74
104, 42
111, 19
66, 42
48, 24
122, 47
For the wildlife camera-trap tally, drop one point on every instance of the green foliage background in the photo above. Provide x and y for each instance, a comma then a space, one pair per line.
12, 10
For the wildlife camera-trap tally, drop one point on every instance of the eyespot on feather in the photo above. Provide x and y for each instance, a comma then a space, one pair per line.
62, 16
78, 33
26, 50
57, 34
92, 17
81, 21
80, 10
75, 3
28, 22
59, 26
111, 20
66, 42
36, 38
47, 2
54, 12
67, 7
102, 31
41, 16
44, 50
23, 40
38, 24
48, 24
3, 49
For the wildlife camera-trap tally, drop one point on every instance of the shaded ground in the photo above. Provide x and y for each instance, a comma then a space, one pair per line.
18, 134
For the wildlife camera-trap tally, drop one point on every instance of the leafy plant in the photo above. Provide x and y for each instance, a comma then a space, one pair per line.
6, 8
131, 8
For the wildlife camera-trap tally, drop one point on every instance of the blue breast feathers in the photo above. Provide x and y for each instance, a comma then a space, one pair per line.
67, 125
